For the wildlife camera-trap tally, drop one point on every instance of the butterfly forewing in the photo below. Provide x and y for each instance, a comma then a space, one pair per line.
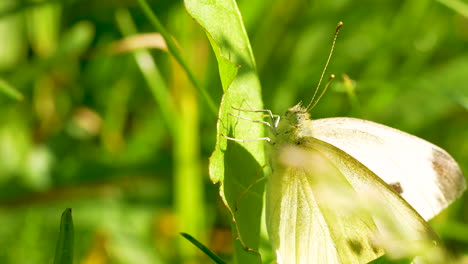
426, 176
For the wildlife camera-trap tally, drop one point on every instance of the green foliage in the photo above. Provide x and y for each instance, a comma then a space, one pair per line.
92, 133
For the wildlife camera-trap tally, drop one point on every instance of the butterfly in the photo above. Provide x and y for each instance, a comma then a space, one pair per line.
325, 169
341, 188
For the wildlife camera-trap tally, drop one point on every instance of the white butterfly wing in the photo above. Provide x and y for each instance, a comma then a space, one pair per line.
425, 175
315, 208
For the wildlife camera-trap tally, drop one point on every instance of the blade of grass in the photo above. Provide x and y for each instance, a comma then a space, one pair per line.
14, 48
64, 249
203, 248
20, 6
457, 6
177, 54
150, 72
7, 89
44, 23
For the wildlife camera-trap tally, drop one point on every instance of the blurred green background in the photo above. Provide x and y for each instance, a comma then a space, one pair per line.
95, 128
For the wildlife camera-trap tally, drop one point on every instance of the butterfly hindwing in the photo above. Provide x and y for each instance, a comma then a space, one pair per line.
316, 210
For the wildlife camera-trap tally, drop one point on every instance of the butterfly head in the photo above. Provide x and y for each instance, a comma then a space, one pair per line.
290, 124
296, 114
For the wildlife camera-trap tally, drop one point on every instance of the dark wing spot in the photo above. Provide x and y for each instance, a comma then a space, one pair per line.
375, 248
355, 246
299, 142
449, 176
397, 187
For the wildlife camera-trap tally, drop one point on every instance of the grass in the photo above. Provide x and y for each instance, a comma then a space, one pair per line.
90, 133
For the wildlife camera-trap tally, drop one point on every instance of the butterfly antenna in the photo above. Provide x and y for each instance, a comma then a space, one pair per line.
330, 79
338, 28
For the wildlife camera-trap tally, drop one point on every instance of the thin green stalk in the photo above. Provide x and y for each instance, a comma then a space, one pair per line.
176, 53
150, 72
188, 179
7, 89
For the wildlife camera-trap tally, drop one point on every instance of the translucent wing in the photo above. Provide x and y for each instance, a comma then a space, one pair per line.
425, 175
317, 207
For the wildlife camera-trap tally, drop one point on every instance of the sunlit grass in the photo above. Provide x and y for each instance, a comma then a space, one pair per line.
140, 176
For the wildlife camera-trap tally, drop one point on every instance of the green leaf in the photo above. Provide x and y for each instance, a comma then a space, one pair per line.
64, 249
385, 260
236, 166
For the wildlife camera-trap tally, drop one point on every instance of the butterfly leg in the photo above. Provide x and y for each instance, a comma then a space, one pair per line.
253, 111
274, 118
251, 120
248, 140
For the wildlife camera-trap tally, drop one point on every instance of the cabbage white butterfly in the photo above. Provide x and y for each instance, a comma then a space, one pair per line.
321, 168
365, 162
